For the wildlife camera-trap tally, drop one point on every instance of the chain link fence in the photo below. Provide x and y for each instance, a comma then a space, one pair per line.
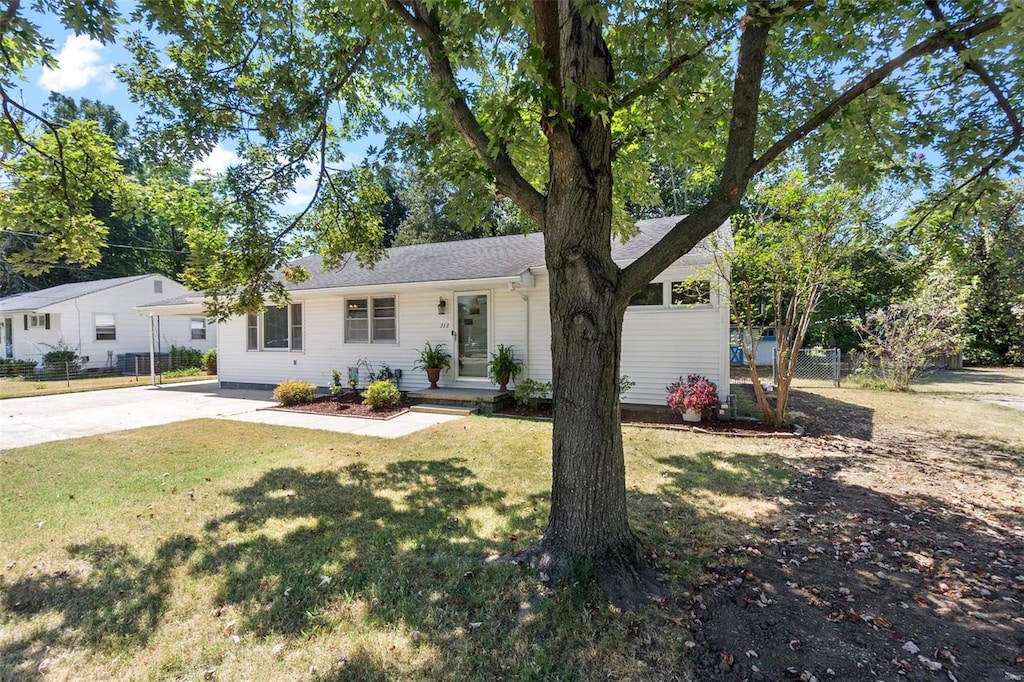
61, 374
815, 367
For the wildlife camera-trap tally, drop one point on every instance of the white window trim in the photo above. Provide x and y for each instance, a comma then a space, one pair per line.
37, 321
691, 306
369, 298
259, 331
205, 326
666, 299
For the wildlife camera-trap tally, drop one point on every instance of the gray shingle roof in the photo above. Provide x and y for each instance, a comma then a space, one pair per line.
35, 300
469, 259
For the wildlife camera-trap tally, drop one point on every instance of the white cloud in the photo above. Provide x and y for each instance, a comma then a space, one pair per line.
79, 64
216, 162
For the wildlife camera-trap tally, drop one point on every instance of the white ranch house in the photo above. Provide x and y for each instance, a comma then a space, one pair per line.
470, 296
99, 320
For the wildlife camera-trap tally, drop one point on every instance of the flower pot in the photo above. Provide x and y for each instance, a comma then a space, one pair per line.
433, 374
691, 415
503, 384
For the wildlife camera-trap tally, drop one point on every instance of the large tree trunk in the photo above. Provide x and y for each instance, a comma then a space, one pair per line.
588, 524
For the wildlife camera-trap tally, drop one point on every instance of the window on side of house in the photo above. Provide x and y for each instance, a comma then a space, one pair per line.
650, 295
295, 326
691, 292
106, 327
278, 328
197, 326
252, 332
37, 321
385, 318
371, 320
158, 286
275, 328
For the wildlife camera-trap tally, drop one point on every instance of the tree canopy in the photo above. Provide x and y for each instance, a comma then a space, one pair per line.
564, 108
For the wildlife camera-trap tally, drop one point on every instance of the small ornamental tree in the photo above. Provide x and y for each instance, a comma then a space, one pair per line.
789, 250
899, 339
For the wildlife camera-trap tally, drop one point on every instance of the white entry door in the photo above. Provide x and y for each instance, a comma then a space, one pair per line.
472, 343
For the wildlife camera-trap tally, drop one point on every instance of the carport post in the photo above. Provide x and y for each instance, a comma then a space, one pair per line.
152, 353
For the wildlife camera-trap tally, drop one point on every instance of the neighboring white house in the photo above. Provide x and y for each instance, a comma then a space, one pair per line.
470, 296
98, 320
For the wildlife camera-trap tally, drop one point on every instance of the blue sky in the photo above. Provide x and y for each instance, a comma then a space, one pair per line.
85, 69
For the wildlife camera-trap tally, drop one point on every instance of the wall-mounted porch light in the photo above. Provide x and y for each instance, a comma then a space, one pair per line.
442, 305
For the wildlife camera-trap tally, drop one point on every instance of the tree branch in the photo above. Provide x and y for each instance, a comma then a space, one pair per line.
933, 43
508, 179
688, 232
657, 79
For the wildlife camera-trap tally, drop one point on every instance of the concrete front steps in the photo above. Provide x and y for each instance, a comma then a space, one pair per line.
453, 400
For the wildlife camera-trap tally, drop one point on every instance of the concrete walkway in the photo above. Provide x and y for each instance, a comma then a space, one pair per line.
42, 419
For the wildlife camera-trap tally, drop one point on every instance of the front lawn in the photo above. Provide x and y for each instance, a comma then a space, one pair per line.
274, 553
21, 387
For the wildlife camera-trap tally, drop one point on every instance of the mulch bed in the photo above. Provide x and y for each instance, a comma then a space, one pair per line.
349, 404
662, 418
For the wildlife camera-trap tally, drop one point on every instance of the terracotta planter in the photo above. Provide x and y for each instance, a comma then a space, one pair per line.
433, 374
692, 416
503, 384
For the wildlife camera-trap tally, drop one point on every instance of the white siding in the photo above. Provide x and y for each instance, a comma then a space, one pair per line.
325, 348
659, 343
73, 322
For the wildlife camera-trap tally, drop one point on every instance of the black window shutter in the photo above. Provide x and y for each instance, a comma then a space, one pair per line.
47, 320
26, 321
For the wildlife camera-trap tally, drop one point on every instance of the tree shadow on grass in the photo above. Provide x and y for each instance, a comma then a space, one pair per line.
116, 602
822, 415
310, 537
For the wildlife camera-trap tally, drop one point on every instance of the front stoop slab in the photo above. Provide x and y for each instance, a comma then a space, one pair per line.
486, 401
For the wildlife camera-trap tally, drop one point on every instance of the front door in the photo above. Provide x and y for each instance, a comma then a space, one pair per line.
472, 341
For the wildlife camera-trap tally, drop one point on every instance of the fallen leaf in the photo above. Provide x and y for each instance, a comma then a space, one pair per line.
929, 663
475, 625
911, 648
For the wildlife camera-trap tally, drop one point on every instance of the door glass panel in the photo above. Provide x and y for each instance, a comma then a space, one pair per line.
472, 321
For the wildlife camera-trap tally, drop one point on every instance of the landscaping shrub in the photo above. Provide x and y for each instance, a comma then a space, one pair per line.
294, 392
528, 392
183, 357
60, 355
693, 393
210, 361
382, 395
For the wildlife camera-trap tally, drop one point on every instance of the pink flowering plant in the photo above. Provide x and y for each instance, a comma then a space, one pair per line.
695, 393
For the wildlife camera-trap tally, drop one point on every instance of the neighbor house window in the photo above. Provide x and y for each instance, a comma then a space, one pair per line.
198, 328
158, 286
691, 292
106, 328
38, 321
649, 295
371, 320
278, 328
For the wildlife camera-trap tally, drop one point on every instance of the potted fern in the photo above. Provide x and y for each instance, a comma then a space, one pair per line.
504, 367
432, 360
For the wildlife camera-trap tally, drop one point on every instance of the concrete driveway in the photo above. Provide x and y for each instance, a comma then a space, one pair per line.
41, 419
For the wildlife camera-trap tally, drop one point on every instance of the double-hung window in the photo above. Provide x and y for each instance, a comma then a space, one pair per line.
371, 320
106, 327
197, 326
277, 328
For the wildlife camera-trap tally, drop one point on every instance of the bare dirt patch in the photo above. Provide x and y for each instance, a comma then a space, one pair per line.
900, 557
346, 405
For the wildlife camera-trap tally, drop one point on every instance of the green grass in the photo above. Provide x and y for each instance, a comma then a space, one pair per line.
22, 388
170, 551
